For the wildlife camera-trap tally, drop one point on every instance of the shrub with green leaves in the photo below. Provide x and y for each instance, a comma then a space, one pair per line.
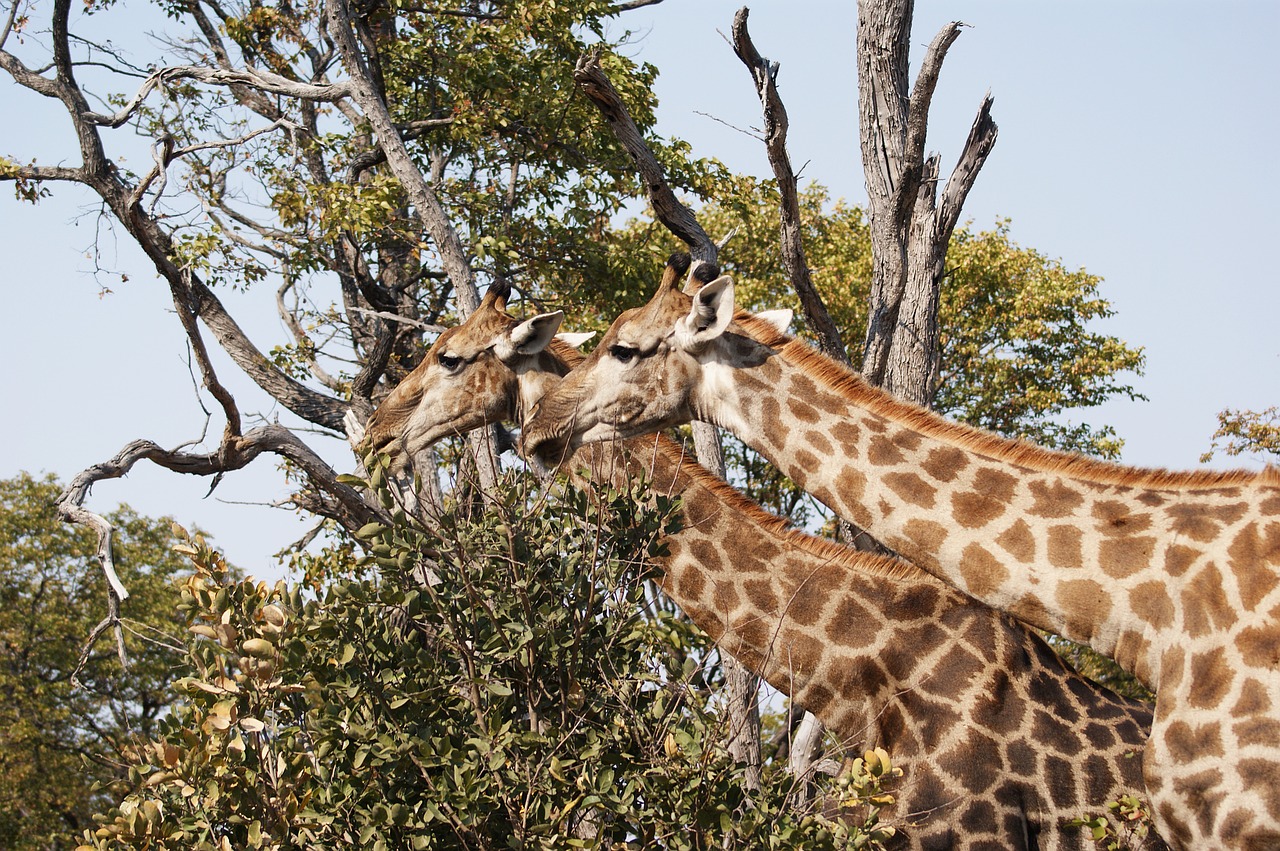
501, 682
1132, 830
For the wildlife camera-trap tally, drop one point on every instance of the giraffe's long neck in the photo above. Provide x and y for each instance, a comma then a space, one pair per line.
882, 652
1097, 559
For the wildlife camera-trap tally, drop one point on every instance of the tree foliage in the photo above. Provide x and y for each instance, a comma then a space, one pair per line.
1241, 432
485, 99
1019, 354
517, 694
62, 742
1018, 350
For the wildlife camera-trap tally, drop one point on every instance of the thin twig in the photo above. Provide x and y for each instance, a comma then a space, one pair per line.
403, 320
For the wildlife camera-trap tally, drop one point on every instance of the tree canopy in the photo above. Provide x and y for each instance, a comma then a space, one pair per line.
68, 725
1247, 431
268, 174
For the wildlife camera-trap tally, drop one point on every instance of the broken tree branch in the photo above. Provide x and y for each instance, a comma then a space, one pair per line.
677, 218
982, 138
257, 78
233, 454
764, 73
918, 117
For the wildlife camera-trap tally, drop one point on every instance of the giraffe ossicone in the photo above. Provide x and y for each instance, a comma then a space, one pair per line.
1175, 575
1003, 745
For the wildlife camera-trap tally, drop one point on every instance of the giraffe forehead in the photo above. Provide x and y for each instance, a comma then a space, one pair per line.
647, 327
644, 338
632, 331
478, 333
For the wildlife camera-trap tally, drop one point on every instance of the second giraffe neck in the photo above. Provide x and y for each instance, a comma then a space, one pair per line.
1043, 546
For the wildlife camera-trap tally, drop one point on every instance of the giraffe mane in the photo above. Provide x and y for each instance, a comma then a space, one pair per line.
854, 387
781, 528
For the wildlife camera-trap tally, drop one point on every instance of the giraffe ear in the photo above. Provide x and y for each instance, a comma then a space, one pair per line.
711, 313
575, 338
780, 319
530, 336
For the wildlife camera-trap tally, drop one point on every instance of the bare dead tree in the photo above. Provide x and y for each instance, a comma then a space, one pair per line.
910, 225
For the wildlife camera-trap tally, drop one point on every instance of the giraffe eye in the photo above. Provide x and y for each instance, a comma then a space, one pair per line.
623, 354
450, 362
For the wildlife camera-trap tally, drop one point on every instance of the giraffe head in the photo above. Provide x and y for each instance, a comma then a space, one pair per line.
653, 369
469, 378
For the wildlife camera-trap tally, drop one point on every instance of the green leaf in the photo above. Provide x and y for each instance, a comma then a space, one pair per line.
370, 530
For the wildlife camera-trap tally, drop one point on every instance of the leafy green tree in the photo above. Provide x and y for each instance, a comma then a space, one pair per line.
266, 170
61, 742
1018, 352
1247, 431
515, 695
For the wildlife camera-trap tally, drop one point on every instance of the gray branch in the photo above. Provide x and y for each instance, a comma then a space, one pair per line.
918, 116
677, 218
765, 75
259, 79
982, 138
233, 454
427, 204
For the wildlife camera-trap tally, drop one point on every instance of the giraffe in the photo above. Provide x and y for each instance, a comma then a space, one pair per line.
1001, 743
1174, 575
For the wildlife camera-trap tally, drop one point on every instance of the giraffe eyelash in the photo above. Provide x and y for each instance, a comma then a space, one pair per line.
624, 354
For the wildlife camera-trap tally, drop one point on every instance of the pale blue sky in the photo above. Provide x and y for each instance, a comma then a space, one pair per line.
1137, 140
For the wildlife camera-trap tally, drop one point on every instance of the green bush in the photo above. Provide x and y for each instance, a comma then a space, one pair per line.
500, 682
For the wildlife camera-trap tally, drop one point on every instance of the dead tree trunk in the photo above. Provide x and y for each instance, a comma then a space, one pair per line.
910, 225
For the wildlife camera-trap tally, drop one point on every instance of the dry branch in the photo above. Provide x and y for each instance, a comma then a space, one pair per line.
677, 218
764, 73
257, 78
673, 215
233, 454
